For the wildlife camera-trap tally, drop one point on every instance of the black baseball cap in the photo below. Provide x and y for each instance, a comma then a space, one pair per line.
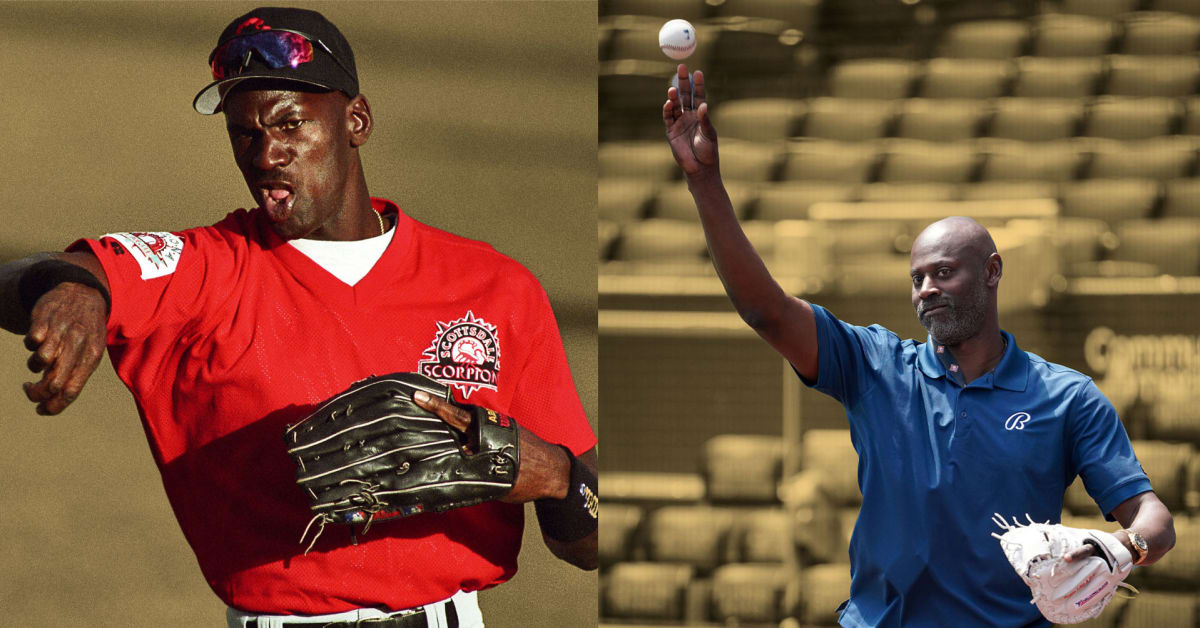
330, 65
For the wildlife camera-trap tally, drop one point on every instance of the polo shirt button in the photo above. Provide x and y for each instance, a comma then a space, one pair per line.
964, 414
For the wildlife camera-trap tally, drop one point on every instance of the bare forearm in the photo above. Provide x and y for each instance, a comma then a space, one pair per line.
1149, 517
756, 296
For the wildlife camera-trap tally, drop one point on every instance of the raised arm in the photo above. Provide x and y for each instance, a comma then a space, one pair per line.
64, 326
784, 321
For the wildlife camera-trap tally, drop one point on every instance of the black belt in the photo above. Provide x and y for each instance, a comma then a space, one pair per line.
414, 619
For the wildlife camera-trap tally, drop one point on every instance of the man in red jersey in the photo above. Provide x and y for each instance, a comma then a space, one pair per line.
226, 334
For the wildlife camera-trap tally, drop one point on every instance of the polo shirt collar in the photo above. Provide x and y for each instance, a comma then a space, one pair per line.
1012, 373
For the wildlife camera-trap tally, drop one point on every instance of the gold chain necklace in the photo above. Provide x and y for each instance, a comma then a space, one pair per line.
381, 229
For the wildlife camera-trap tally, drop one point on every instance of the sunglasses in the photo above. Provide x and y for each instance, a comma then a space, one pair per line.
277, 47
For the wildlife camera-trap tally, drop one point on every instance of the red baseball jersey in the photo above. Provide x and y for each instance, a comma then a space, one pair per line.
226, 334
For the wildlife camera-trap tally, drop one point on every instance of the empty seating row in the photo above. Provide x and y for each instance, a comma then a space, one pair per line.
1082, 248
915, 161
1072, 34
1112, 200
1027, 77
1027, 119
801, 14
700, 535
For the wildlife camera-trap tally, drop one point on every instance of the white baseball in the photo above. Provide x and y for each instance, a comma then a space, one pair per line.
677, 39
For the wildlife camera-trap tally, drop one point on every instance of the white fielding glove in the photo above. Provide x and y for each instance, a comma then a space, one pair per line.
1065, 593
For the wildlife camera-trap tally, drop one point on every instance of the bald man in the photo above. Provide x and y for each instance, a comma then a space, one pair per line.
948, 431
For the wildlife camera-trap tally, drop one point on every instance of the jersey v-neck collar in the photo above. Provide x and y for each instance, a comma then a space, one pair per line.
1012, 372
328, 288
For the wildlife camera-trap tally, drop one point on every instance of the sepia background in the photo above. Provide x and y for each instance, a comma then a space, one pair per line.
1069, 127
485, 125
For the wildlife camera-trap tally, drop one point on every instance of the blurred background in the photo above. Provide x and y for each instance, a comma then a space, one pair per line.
485, 125
1069, 127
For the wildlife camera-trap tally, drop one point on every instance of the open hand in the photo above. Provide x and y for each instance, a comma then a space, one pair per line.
689, 131
67, 337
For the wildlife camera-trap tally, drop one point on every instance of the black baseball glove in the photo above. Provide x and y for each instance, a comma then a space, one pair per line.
372, 453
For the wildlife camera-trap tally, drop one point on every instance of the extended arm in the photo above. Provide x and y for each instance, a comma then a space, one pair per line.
66, 329
784, 321
544, 473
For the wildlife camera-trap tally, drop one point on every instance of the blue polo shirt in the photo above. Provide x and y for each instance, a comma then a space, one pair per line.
937, 459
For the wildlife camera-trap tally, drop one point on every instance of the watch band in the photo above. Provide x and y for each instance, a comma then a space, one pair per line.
1140, 548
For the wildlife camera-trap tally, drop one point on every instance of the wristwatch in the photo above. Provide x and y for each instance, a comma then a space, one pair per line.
1139, 545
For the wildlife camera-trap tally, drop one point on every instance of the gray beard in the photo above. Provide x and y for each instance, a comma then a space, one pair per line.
962, 321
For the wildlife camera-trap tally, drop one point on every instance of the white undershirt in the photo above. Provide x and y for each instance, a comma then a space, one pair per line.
349, 260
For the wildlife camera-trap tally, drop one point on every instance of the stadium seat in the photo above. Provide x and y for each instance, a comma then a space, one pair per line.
1191, 117
855, 240
873, 78
693, 535
842, 162
1058, 77
1156, 158
1079, 241
1159, 33
750, 47
690, 10
940, 120
1010, 160
646, 591
652, 488
1098, 8
1177, 418
1110, 200
617, 532
791, 200
1132, 118
744, 593
1061, 35
749, 161
1187, 7
908, 192
762, 536
1164, 76
965, 78
676, 203
662, 240
815, 530
607, 233
624, 199
1152, 609
910, 161
759, 119
1167, 466
1180, 568
1182, 198
743, 468
1171, 244
984, 39
831, 453
1036, 119
846, 119
797, 14
623, 89
823, 588
1007, 190
648, 160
